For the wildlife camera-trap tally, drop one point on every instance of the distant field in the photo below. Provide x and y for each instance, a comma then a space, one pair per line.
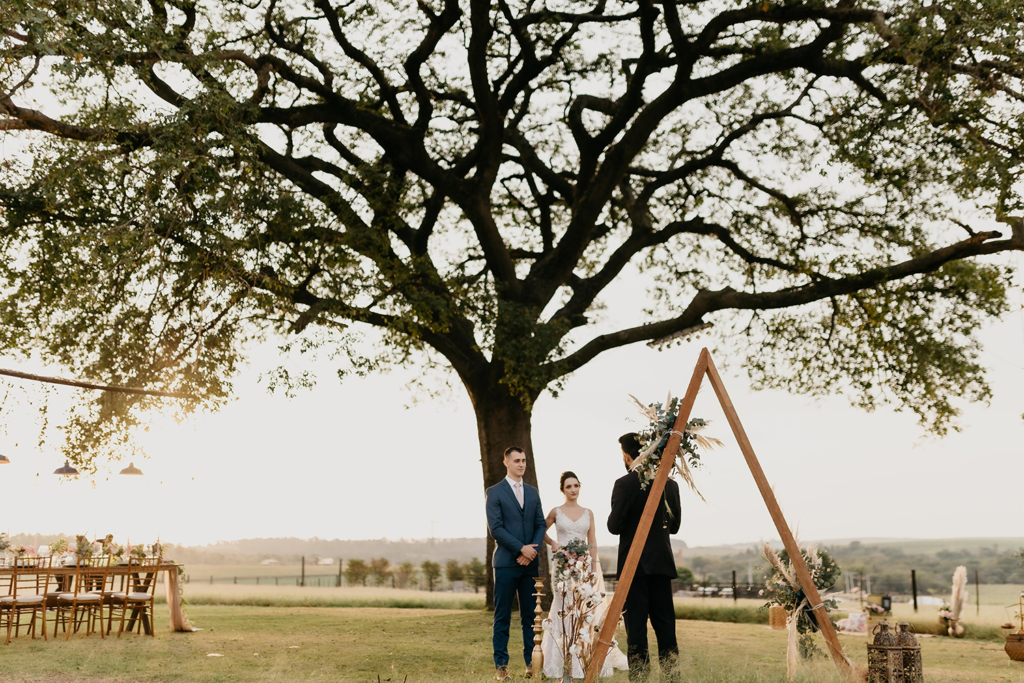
909, 546
200, 573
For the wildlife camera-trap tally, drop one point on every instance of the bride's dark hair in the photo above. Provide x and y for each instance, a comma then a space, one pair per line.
566, 475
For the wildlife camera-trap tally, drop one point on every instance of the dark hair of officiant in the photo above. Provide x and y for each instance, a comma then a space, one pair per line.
567, 475
630, 445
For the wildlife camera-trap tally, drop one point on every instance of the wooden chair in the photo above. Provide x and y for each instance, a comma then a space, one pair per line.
84, 603
138, 598
29, 579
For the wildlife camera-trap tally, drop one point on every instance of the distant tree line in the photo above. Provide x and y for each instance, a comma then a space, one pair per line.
888, 566
380, 572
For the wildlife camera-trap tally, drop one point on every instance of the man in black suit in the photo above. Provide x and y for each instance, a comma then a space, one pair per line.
650, 594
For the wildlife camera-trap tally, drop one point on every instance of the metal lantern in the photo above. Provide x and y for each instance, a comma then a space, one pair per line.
913, 672
885, 657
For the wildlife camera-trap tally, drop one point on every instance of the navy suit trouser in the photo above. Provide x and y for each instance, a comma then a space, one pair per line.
509, 581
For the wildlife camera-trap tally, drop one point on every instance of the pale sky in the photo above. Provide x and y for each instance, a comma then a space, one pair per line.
349, 461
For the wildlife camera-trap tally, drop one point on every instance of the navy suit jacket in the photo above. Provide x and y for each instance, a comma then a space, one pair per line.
513, 527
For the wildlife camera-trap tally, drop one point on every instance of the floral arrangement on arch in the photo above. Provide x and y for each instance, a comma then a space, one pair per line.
783, 588
655, 436
574, 581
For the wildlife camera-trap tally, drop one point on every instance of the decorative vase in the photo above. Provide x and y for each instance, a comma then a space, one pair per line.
1015, 646
777, 617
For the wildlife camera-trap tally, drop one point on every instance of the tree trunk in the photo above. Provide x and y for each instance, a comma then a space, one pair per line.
502, 421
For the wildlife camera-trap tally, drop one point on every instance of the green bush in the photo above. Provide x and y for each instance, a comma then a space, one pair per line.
728, 614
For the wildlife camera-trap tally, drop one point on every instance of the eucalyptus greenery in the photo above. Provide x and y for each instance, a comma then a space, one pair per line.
780, 590
458, 184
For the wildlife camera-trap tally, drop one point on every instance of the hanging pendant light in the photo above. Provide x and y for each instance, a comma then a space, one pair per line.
131, 469
66, 471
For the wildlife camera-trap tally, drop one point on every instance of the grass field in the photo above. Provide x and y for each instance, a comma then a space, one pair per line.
274, 645
294, 596
983, 625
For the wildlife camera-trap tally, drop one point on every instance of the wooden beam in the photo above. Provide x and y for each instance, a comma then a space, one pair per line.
706, 365
611, 619
795, 555
90, 385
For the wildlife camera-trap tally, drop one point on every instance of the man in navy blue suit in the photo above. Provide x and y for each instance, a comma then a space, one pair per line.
516, 522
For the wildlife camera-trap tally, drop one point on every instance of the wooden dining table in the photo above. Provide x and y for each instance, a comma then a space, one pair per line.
130, 573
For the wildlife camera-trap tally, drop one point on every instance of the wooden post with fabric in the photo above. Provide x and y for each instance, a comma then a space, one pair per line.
706, 366
611, 619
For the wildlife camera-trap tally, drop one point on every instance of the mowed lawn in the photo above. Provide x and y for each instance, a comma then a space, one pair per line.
277, 644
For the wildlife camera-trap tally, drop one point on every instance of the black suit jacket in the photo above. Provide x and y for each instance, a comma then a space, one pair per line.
628, 501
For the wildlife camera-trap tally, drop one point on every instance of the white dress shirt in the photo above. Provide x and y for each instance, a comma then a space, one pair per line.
517, 489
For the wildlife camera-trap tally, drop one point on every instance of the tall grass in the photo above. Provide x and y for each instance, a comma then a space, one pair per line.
294, 596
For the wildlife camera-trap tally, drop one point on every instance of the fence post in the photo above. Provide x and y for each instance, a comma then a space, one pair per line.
339, 572
977, 592
211, 580
236, 579
735, 596
303, 582
257, 580
913, 586
275, 580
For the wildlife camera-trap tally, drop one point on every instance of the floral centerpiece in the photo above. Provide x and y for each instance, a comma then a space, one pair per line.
138, 552
59, 546
655, 436
876, 609
83, 547
5, 543
20, 551
574, 583
783, 588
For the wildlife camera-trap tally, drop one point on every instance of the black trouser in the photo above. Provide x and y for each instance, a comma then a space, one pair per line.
650, 596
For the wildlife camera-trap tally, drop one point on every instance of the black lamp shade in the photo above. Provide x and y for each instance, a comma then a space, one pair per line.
66, 471
131, 469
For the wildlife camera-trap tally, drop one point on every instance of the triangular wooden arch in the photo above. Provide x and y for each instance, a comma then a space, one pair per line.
706, 366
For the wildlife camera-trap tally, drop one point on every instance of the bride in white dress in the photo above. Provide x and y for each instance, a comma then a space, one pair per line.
573, 522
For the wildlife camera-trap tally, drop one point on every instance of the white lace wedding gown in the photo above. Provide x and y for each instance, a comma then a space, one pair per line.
568, 530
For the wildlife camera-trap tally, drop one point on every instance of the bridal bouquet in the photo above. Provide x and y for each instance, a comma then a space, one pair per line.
655, 436
572, 560
574, 584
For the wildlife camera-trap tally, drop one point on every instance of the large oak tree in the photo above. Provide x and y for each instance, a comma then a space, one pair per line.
818, 179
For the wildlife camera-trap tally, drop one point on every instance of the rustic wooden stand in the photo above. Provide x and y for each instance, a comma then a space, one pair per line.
706, 366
